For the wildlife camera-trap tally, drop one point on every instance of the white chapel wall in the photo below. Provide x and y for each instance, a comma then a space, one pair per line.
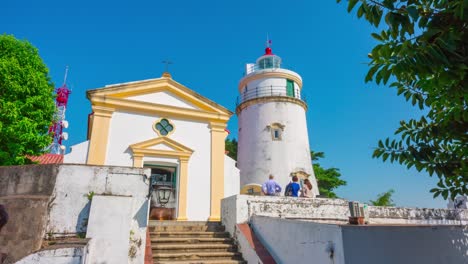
163, 97
129, 128
78, 153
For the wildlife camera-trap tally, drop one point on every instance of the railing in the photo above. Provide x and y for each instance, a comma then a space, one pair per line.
266, 91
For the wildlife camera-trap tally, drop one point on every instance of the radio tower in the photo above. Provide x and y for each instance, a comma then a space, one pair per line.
56, 129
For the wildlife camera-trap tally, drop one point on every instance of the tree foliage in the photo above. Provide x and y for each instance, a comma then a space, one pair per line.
384, 199
327, 179
231, 148
423, 52
26, 102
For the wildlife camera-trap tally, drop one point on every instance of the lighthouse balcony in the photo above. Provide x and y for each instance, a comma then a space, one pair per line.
269, 91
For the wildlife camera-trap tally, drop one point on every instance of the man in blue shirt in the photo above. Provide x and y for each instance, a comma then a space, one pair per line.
295, 186
292, 189
271, 187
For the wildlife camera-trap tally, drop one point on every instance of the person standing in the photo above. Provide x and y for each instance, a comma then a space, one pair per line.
271, 187
295, 187
307, 189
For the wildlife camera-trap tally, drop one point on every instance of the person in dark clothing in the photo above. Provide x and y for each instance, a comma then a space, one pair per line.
292, 189
3, 216
295, 187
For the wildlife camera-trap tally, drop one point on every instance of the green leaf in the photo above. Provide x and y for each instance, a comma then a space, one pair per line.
413, 12
377, 36
351, 4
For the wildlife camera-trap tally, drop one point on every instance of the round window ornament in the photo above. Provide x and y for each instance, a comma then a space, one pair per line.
163, 127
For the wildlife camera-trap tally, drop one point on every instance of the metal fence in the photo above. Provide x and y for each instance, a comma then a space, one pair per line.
266, 91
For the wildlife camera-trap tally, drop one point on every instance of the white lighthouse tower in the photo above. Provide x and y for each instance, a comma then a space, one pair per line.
273, 135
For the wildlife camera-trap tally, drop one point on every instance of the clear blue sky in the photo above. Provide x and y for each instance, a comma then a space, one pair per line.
107, 42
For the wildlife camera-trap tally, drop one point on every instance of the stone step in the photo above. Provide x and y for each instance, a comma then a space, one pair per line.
200, 247
212, 261
199, 257
189, 234
187, 228
190, 240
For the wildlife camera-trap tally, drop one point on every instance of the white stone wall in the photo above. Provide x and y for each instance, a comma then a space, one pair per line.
109, 229
240, 208
314, 226
259, 155
231, 177
55, 256
292, 241
129, 128
70, 207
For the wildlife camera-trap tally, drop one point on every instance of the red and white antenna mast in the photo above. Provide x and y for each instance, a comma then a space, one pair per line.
56, 129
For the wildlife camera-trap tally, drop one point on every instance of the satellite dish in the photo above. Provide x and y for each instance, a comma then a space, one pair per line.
62, 147
65, 124
65, 135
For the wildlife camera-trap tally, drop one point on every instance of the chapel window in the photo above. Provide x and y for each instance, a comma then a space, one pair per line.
164, 127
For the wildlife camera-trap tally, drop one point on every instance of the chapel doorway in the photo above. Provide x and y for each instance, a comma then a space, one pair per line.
163, 192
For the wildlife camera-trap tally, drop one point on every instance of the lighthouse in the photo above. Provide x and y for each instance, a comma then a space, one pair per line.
273, 136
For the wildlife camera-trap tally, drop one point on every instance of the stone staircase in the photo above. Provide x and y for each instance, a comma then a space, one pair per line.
192, 242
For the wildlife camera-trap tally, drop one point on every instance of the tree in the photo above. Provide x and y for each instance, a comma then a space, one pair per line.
327, 179
423, 50
384, 199
231, 147
26, 102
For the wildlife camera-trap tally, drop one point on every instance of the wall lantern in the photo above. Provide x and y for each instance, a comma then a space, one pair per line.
164, 194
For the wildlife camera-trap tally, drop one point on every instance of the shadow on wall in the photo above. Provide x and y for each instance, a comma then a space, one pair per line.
83, 217
406, 244
141, 216
460, 242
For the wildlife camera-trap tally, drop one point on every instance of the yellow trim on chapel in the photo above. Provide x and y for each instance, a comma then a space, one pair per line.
97, 149
218, 135
131, 89
113, 98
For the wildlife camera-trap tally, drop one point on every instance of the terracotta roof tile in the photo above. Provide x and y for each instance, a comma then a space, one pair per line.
47, 158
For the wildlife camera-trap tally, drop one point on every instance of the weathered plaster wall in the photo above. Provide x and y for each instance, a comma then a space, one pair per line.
110, 229
240, 208
405, 244
56, 256
70, 208
25, 191
310, 242
293, 241
54, 200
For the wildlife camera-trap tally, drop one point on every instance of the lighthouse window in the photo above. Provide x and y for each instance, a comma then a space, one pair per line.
290, 88
276, 130
276, 134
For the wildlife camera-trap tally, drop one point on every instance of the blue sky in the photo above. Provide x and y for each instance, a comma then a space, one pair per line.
107, 42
